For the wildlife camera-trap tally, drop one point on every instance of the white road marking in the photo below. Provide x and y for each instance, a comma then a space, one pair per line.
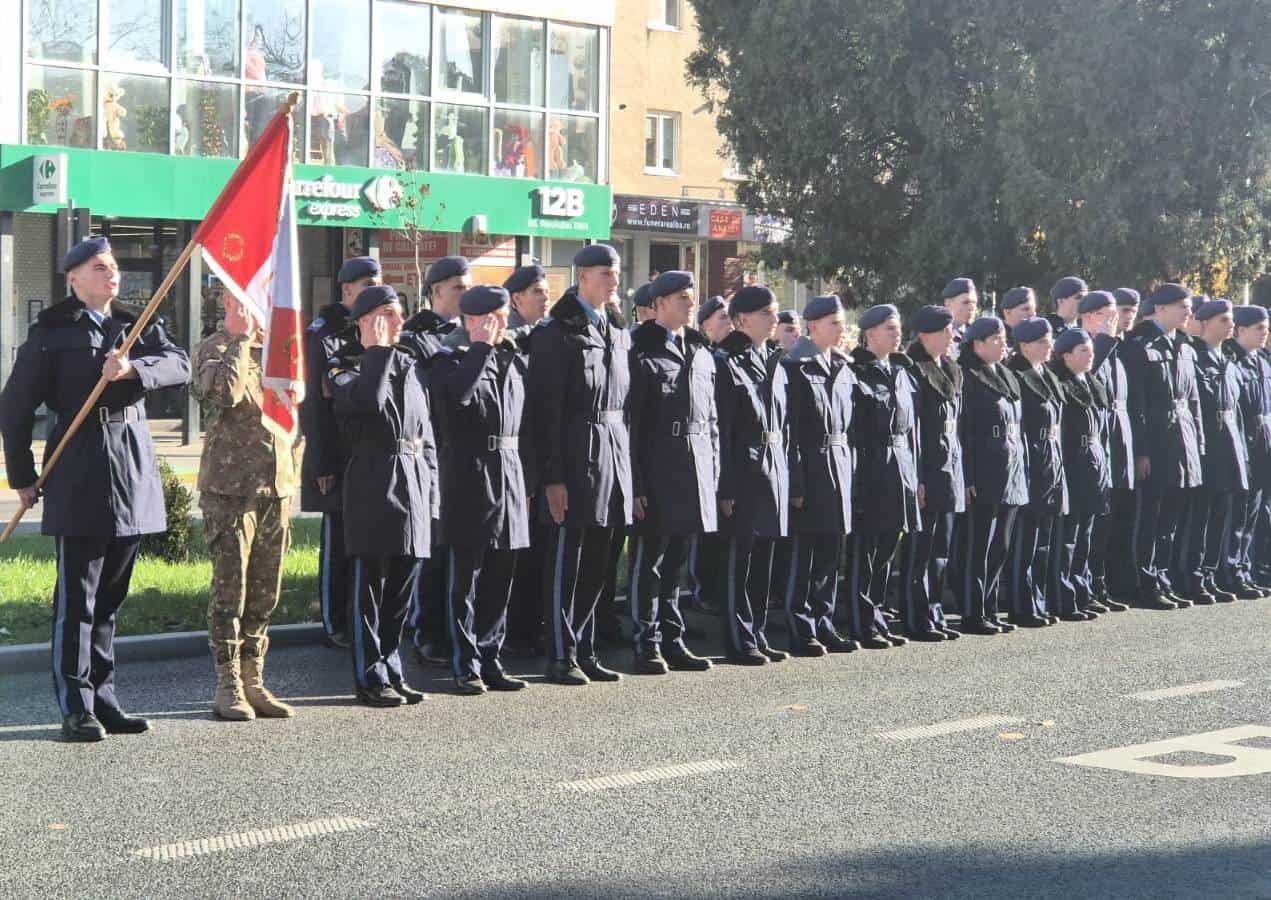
1185, 690
942, 728
1135, 758
643, 776
244, 839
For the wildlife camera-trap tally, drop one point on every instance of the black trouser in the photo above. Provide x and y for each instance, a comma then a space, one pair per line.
577, 564
382, 591
526, 608
811, 585
1246, 533
986, 536
868, 569
1157, 508
1118, 548
1098, 561
92, 581
1188, 551
924, 562
782, 557
1026, 585
1210, 537
335, 576
654, 589
428, 602
705, 561
480, 585
748, 574
1260, 549
1071, 589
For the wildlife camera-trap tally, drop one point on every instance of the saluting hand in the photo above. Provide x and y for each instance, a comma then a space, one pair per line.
486, 331
375, 331
117, 367
557, 502
238, 321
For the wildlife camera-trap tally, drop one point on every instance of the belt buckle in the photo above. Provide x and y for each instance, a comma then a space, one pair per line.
950, 426
103, 415
675, 428
491, 442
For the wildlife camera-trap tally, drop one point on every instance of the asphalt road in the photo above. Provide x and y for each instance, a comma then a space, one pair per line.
807, 778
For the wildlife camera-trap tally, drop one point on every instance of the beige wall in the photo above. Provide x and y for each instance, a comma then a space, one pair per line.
647, 73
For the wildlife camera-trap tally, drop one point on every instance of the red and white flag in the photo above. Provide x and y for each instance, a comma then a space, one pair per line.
249, 240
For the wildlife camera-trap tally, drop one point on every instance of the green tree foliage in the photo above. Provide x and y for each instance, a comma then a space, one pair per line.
172, 545
913, 140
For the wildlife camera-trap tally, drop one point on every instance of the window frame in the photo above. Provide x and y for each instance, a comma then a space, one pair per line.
662, 116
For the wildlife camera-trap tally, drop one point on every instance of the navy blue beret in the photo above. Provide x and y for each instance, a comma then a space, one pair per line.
957, 287
643, 295
751, 298
447, 267
1169, 292
1126, 297
357, 268
788, 317
709, 308
372, 298
524, 278
820, 307
1030, 330
596, 255
877, 315
932, 318
1211, 308
1017, 296
482, 300
985, 327
1095, 301
1070, 339
84, 251
1249, 315
669, 283
1067, 287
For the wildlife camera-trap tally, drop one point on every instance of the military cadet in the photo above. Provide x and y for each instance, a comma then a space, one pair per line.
479, 395
1225, 467
1251, 329
754, 484
1065, 297
1085, 465
674, 461
578, 385
1164, 406
1193, 516
789, 328
527, 292
390, 488
642, 305
885, 438
324, 450
248, 475
996, 469
960, 298
820, 384
1037, 553
924, 552
426, 331
1128, 300
1018, 304
107, 492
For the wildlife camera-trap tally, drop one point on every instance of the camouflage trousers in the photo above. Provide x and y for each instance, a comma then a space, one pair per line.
247, 538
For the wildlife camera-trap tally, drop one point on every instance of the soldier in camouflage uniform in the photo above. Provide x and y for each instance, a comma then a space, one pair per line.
247, 477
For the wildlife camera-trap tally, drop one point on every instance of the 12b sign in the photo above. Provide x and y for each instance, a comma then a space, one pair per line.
560, 203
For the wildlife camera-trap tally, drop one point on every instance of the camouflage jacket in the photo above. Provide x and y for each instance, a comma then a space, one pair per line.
241, 457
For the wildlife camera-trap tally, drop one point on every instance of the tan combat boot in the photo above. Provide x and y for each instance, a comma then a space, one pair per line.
230, 704
262, 701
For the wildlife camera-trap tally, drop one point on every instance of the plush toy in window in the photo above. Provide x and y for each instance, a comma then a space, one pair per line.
556, 143
113, 114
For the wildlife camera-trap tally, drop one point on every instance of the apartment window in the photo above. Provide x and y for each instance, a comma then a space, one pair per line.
669, 13
661, 138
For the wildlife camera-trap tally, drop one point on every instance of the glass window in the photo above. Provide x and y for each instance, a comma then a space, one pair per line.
460, 54
518, 61
134, 111
135, 34
207, 37
275, 41
660, 135
517, 142
575, 68
401, 134
204, 121
259, 106
401, 46
671, 13
339, 129
59, 106
459, 139
341, 39
63, 29
573, 148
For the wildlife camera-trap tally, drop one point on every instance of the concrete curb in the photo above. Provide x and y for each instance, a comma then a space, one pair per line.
146, 647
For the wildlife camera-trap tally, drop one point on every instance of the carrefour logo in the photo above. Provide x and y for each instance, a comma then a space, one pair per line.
343, 200
47, 169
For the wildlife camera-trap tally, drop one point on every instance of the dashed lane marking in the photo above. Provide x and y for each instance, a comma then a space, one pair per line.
244, 839
942, 728
644, 776
1185, 690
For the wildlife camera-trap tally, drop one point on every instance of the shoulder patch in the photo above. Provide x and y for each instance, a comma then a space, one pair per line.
316, 324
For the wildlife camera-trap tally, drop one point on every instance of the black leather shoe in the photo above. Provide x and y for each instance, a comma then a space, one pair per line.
950, 634
1180, 602
979, 626
1095, 606
596, 672
750, 657
567, 673
682, 659
470, 685
1030, 622
1077, 616
650, 662
896, 640
1202, 598
1219, 594
1004, 627
381, 697
1114, 605
498, 680
1247, 591
1052, 619
409, 694
82, 728
773, 654
432, 654
928, 637
116, 721
1154, 601
836, 643
808, 649
874, 642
